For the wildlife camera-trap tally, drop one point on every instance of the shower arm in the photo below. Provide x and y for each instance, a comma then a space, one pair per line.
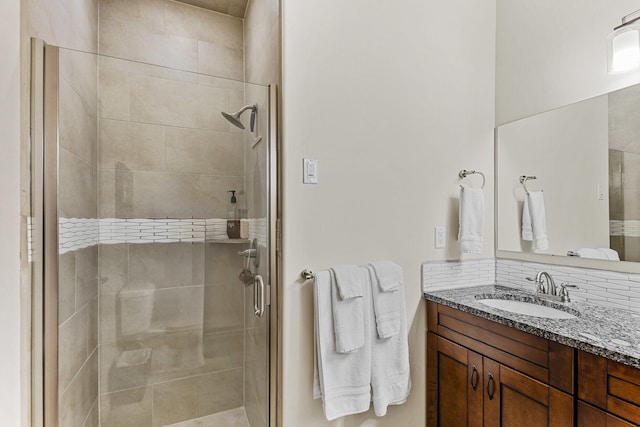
245, 108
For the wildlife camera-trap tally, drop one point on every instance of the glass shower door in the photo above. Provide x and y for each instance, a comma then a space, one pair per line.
155, 327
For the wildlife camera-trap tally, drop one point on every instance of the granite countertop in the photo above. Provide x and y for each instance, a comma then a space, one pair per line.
604, 331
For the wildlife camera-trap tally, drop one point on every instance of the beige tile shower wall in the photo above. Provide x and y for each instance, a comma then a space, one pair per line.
165, 150
171, 313
172, 34
72, 25
158, 366
78, 270
262, 42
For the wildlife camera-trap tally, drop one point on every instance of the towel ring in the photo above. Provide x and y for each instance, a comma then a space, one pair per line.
307, 274
463, 174
523, 181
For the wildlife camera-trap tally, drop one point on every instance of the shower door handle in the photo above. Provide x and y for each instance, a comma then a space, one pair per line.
258, 296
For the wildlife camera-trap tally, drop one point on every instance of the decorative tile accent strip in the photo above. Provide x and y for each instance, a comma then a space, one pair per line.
115, 230
629, 228
607, 288
439, 275
80, 233
77, 233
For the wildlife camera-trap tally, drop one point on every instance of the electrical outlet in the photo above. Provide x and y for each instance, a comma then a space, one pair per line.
440, 237
310, 171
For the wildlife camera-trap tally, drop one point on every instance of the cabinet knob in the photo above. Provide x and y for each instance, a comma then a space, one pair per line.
475, 378
491, 386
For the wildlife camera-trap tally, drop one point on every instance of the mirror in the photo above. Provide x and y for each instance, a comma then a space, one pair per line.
586, 160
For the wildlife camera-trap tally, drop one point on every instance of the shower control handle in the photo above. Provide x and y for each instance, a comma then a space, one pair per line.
251, 253
259, 303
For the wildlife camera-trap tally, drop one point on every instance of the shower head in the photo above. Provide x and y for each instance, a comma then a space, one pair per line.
234, 118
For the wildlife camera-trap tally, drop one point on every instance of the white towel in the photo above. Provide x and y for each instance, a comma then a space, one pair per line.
471, 220
534, 221
343, 381
387, 300
611, 254
390, 374
597, 253
389, 274
351, 281
347, 291
527, 230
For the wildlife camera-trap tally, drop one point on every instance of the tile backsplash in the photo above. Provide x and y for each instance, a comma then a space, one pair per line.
438, 275
608, 288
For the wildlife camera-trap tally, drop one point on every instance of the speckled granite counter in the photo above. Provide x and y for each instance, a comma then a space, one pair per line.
607, 332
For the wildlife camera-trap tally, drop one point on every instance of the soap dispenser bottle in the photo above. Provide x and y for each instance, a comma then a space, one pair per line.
233, 223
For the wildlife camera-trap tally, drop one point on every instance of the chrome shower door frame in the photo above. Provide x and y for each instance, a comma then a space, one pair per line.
44, 243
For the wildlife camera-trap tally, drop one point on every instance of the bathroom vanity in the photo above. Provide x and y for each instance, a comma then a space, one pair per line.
490, 367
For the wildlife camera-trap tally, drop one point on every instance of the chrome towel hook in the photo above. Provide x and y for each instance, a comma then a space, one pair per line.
523, 181
463, 174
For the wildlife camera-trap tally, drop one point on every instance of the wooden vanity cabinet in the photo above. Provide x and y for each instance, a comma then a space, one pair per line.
481, 373
607, 390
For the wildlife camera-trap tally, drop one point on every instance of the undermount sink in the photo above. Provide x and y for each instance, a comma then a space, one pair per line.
535, 307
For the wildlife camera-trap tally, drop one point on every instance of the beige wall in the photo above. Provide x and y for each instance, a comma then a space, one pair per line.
551, 53
393, 100
10, 403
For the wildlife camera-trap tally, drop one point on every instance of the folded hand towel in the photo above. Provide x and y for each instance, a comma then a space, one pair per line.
534, 218
348, 312
343, 381
387, 301
389, 274
390, 374
351, 281
471, 220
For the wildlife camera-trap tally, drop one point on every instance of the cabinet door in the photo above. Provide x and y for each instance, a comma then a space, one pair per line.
454, 384
513, 399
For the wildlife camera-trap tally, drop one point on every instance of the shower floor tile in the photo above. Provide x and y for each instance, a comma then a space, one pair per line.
232, 418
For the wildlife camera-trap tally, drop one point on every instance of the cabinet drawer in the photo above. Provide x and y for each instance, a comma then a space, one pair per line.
589, 416
544, 360
609, 385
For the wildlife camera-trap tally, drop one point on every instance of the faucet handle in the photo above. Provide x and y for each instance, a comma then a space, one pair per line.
564, 292
531, 279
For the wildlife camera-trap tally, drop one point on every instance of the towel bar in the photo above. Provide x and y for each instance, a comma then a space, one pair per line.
463, 174
307, 274
523, 181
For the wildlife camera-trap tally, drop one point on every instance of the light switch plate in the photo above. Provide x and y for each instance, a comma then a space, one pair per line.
310, 171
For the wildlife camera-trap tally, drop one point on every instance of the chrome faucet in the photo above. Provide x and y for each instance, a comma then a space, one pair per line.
546, 287
551, 289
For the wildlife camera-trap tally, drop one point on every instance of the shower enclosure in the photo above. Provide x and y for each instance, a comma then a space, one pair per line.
140, 318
